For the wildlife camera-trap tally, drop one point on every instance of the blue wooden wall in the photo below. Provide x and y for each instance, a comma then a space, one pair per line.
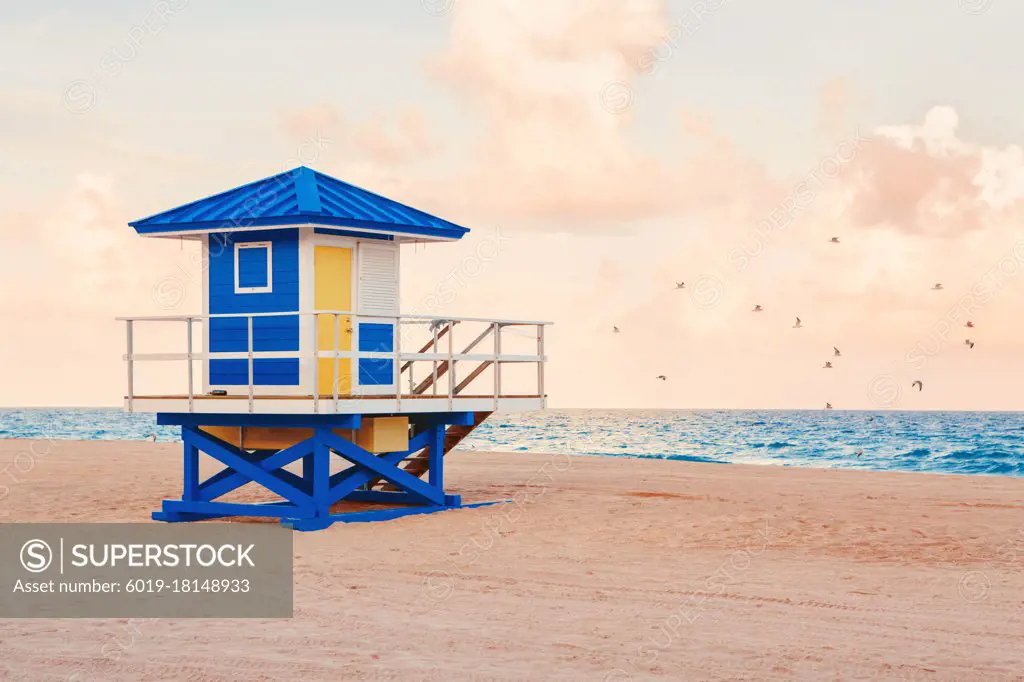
276, 333
376, 338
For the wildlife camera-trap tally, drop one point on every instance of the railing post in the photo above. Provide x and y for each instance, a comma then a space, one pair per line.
433, 381
337, 360
131, 369
397, 369
540, 365
316, 362
412, 364
188, 352
251, 372
497, 364
451, 363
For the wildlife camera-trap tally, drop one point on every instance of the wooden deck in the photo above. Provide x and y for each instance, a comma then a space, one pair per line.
326, 404
348, 396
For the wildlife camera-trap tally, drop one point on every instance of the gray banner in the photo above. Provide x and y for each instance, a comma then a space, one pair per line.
151, 570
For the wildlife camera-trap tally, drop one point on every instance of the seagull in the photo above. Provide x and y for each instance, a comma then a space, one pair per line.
662, 377
827, 365
615, 330
969, 343
757, 309
798, 324
860, 452
828, 406
920, 386
836, 353
680, 285
969, 325
937, 287
834, 240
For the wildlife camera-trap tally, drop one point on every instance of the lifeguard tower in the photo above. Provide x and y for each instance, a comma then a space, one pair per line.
305, 357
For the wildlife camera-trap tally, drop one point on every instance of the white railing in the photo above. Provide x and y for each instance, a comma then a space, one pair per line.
443, 358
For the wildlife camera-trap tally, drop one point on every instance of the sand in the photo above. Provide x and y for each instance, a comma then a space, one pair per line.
609, 569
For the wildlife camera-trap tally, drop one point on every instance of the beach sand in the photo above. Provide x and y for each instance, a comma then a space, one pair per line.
608, 569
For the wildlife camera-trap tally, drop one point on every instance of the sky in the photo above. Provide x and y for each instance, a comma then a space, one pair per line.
616, 146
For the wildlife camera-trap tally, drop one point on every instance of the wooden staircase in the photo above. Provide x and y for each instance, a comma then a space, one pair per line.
442, 368
419, 464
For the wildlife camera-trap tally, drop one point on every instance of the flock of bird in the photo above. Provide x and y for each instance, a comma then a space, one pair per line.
919, 385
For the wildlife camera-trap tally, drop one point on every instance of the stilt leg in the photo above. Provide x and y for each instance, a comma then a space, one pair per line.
307, 472
191, 484
321, 475
435, 475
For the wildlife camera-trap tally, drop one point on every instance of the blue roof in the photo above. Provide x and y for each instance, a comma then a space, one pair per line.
299, 196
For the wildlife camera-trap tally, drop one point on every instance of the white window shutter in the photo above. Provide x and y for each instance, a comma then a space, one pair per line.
378, 280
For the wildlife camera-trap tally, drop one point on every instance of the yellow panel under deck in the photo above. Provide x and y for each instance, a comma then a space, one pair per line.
384, 434
378, 434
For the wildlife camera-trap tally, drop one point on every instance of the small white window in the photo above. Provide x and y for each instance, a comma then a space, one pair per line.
254, 268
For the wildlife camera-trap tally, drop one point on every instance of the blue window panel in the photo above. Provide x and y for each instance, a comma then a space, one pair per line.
266, 372
373, 372
285, 276
253, 270
276, 333
376, 337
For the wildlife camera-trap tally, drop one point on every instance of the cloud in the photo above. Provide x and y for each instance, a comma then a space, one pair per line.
71, 265
533, 72
924, 180
76, 251
716, 176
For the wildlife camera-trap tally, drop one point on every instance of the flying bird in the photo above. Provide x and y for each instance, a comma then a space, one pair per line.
798, 324
860, 452
680, 285
834, 240
937, 287
827, 365
920, 386
969, 325
615, 330
662, 377
757, 309
828, 406
836, 353
969, 343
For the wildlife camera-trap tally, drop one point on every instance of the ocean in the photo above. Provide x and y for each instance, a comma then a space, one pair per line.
940, 442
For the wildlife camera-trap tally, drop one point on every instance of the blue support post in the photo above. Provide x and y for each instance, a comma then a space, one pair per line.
435, 475
321, 473
191, 468
307, 471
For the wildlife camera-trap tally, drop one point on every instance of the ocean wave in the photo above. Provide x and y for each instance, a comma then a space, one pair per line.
974, 443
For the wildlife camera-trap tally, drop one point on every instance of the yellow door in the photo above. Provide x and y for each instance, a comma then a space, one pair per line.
332, 290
